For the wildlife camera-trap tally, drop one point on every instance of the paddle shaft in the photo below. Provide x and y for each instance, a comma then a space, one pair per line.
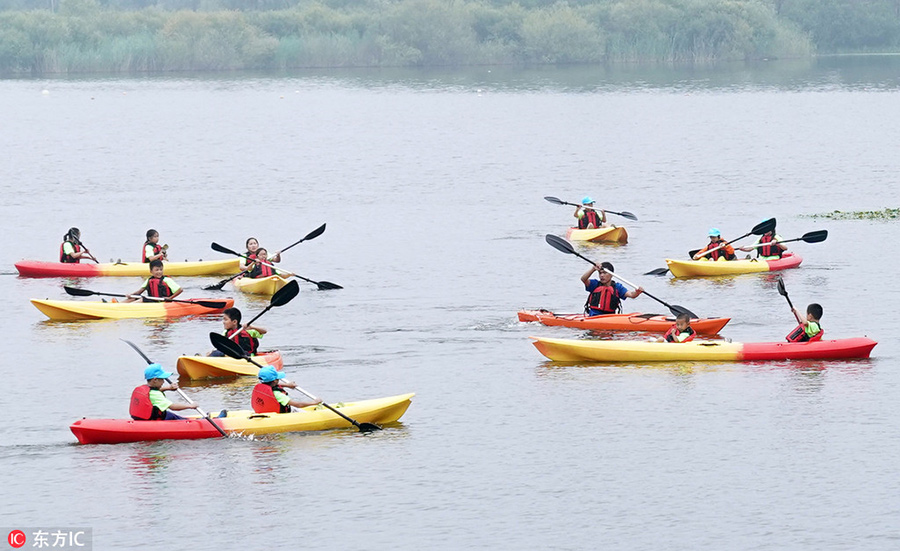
320, 284
80, 244
557, 201
311, 235
204, 303
763, 227
811, 237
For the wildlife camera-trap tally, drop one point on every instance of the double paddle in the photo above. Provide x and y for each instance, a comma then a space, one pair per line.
181, 392
280, 298
762, 228
562, 245
75, 292
809, 237
783, 292
218, 286
623, 214
234, 350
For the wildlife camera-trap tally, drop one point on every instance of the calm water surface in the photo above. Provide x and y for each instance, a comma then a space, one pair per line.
431, 185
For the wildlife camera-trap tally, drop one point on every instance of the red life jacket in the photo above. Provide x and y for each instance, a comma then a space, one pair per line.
156, 249
673, 332
63, 257
769, 250
720, 252
142, 409
799, 335
157, 287
248, 343
603, 298
590, 217
264, 401
261, 270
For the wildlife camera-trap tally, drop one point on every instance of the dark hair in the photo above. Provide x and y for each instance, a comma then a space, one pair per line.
156, 264
247, 244
608, 267
234, 314
815, 309
684, 316
73, 232
261, 249
150, 233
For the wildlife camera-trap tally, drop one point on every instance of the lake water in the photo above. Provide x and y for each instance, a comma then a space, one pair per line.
432, 187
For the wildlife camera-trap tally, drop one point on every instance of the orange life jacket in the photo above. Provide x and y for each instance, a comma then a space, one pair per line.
261, 270
673, 332
157, 287
603, 298
770, 249
799, 335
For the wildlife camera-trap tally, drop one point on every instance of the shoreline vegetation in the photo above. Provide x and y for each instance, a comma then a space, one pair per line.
144, 36
886, 214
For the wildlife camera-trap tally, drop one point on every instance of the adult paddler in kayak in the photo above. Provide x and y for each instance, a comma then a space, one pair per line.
71, 251
157, 285
269, 395
246, 337
251, 252
588, 217
605, 295
715, 241
152, 249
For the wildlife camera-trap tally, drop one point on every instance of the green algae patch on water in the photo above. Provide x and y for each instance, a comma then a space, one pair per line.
886, 214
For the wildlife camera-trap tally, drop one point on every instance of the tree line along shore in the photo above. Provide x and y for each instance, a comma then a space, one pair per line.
140, 36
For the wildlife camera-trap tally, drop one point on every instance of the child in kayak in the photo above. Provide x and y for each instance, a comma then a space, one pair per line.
252, 248
606, 295
681, 331
148, 403
152, 250
269, 395
72, 251
588, 217
258, 269
247, 337
809, 329
157, 285
715, 242
768, 246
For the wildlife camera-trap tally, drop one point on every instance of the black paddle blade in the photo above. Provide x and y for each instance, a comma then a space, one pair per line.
315, 233
218, 286
658, 271
138, 350
555, 200
815, 236
763, 227
693, 253
220, 249
327, 286
78, 292
628, 215
368, 427
781, 290
227, 346
677, 310
208, 303
285, 294
559, 243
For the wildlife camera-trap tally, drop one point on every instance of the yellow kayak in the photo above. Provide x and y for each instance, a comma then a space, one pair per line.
261, 285
68, 310
34, 268
212, 367
611, 234
705, 268
244, 422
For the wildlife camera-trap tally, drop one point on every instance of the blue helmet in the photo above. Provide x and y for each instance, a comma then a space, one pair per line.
587, 200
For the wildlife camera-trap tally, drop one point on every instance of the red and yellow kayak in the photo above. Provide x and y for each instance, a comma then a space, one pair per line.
567, 350
36, 268
610, 234
704, 268
260, 285
621, 322
213, 367
94, 310
241, 423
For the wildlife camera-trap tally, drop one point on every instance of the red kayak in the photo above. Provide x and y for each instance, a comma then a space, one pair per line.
621, 322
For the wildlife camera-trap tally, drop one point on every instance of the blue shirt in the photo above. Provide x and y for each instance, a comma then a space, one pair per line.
592, 284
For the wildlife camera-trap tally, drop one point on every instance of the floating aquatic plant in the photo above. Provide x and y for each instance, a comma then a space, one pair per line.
886, 214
